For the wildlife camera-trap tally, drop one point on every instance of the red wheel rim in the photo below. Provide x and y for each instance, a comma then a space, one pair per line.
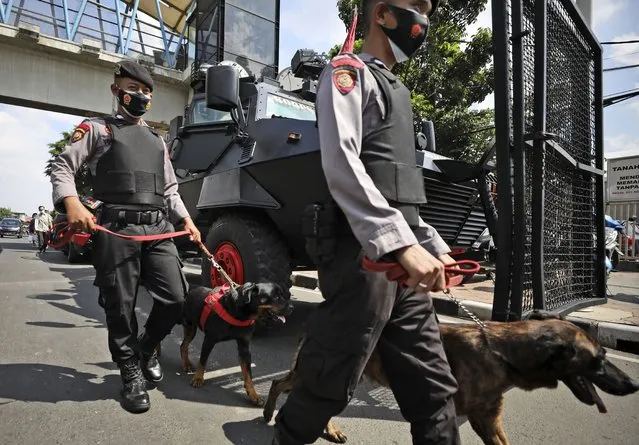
229, 258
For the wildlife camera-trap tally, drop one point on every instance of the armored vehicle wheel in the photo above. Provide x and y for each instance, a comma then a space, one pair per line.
248, 249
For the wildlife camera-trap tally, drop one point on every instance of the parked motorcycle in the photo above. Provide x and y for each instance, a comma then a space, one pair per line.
612, 230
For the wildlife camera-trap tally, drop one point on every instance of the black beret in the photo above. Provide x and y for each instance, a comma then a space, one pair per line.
132, 69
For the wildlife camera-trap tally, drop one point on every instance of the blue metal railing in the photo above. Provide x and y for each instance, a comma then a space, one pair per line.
142, 35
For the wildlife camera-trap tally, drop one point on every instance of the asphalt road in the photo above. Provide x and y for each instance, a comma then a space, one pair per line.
58, 385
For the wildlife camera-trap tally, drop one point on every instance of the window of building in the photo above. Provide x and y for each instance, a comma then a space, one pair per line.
263, 8
249, 35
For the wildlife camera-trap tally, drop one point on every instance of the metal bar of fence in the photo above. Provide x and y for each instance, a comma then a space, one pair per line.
179, 42
167, 55
78, 18
538, 195
66, 19
6, 12
118, 18
599, 164
131, 20
502, 133
518, 158
52, 20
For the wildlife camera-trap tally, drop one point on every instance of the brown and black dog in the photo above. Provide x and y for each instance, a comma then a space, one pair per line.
248, 302
531, 354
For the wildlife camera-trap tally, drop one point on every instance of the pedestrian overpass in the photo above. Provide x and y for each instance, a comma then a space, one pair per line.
60, 55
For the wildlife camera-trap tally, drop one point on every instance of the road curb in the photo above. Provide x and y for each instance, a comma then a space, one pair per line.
607, 334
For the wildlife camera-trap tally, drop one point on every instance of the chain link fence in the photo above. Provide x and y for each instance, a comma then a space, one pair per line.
549, 157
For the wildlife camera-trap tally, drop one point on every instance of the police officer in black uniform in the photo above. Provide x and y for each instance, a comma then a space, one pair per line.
133, 177
367, 144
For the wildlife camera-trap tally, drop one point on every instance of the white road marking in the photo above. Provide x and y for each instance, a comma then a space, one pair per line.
261, 378
623, 357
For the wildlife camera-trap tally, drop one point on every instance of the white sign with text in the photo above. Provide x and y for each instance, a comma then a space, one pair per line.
623, 179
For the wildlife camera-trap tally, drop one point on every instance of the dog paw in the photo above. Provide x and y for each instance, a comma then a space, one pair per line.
188, 367
334, 434
267, 413
256, 400
197, 381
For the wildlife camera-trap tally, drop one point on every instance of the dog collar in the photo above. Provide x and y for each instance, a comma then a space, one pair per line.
212, 303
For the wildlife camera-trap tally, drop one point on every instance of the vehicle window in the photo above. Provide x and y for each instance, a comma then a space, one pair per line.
10, 222
200, 114
282, 107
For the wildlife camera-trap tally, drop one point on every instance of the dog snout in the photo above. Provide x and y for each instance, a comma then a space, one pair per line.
614, 381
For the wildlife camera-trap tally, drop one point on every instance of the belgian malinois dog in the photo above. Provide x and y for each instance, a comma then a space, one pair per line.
531, 354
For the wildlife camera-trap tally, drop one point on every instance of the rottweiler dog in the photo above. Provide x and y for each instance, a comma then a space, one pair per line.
536, 353
230, 314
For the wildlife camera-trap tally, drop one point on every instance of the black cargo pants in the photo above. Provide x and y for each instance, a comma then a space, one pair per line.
119, 265
362, 310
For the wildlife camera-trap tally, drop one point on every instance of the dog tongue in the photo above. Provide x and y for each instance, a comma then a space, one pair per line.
282, 319
593, 392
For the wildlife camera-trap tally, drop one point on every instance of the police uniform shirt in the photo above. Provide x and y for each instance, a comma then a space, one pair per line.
350, 105
90, 140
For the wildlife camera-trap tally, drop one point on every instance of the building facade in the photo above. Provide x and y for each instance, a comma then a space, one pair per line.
243, 31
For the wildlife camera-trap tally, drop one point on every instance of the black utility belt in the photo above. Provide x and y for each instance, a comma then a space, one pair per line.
131, 216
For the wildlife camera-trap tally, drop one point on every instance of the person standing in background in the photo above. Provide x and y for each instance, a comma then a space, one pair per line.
43, 224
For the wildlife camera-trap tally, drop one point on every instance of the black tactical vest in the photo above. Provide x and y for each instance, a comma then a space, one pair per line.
132, 170
388, 153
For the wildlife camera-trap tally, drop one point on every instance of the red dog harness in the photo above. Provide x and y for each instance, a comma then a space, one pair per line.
212, 303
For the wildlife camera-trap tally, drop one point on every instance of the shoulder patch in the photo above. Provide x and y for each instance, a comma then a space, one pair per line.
346, 60
344, 79
80, 131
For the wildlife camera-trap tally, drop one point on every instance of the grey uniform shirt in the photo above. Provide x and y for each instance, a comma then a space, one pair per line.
95, 140
346, 113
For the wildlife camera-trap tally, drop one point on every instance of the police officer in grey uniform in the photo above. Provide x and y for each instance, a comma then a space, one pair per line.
133, 177
367, 145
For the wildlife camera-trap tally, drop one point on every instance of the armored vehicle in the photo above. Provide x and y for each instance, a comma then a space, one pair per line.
246, 154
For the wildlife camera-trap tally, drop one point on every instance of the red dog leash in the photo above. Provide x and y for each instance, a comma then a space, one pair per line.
65, 234
395, 272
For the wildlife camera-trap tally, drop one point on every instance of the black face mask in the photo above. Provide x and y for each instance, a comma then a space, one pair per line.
409, 34
135, 104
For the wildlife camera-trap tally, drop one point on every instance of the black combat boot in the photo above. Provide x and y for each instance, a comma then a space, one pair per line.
135, 399
149, 359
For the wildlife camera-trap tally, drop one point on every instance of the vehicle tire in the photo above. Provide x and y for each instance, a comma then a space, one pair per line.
248, 248
72, 255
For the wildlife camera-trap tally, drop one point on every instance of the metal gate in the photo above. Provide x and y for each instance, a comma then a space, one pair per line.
548, 113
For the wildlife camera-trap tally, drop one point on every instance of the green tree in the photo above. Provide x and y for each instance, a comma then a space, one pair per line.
82, 178
449, 73
5, 212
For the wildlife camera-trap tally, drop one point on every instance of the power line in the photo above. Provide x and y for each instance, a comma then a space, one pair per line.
619, 68
619, 98
621, 92
620, 42
621, 55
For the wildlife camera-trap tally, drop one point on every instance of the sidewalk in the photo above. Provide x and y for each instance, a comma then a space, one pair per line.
614, 324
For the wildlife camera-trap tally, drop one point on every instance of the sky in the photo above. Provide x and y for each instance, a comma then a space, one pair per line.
25, 133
